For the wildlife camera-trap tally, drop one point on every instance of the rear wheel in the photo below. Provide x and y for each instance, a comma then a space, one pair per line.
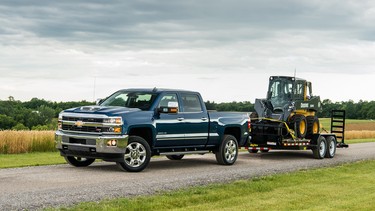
79, 161
321, 149
313, 126
175, 157
137, 155
331, 147
228, 151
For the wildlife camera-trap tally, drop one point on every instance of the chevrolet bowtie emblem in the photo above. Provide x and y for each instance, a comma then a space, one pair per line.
78, 123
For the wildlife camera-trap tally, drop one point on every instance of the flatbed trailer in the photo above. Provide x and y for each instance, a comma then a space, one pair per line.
267, 134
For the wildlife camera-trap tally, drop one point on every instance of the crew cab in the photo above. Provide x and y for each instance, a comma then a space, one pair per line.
132, 125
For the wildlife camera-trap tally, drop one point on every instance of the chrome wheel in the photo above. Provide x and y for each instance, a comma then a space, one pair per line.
230, 151
227, 153
322, 149
135, 154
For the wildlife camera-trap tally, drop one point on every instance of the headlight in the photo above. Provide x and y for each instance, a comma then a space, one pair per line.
113, 120
59, 122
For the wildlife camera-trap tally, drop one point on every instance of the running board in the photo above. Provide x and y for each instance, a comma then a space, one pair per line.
185, 153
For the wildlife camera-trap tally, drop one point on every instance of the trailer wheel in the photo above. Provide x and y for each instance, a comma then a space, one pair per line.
137, 155
78, 161
228, 151
320, 150
331, 147
175, 157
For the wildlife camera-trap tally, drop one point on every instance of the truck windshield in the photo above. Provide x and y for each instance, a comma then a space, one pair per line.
141, 100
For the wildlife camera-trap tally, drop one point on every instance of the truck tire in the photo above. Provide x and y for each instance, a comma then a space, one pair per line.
175, 157
313, 126
228, 151
137, 155
331, 147
320, 150
299, 124
78, 161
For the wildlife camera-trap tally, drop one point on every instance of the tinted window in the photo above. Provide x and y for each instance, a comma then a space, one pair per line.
191, 103
139, 100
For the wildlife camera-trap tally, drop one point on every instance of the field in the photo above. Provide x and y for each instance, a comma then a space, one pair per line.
354, 129
14, 142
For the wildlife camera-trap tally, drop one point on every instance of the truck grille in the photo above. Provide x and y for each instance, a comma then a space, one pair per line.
88, 129
91, 124
74, 119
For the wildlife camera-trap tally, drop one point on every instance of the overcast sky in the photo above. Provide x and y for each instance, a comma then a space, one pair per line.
83, 50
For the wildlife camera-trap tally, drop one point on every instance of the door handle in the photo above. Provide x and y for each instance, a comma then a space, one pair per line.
180, 118
204, 118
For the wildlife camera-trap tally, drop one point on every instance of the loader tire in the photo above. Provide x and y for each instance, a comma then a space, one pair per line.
313, 126
299, 124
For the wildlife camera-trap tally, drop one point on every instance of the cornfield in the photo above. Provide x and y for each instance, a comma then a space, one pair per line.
13, 142
359, 134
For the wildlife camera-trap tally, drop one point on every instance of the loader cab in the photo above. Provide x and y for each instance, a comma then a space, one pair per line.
282, 90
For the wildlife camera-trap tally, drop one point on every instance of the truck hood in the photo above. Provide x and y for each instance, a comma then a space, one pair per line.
106, 110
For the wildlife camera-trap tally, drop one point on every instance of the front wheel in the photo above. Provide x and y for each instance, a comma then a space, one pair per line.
137, 155
79, 161
228, 151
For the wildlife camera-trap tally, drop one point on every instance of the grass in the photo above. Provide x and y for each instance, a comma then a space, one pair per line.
347, 187
13, 142
354, 128
30, 159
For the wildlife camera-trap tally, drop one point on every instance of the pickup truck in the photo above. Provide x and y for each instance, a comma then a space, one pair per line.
132, 125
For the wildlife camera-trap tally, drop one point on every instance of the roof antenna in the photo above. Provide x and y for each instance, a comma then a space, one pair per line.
155, 89
295, 72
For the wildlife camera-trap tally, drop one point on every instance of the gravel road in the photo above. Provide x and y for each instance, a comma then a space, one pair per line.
35, 188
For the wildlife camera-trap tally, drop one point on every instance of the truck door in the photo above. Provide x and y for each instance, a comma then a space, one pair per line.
195, 118
169, 126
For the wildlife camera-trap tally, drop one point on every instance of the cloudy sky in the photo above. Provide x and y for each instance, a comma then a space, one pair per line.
83, 50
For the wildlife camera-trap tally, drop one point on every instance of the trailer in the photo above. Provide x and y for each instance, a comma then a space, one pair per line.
267, 134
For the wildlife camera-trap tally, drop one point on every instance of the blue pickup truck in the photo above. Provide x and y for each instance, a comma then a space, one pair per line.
132, 125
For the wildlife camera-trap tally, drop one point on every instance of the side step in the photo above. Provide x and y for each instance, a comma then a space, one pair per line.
185, 152
338, 126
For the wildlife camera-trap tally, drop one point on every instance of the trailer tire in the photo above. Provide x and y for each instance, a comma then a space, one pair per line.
79, 161
175, 157
228, 151
331, 147
320, 150
137, 155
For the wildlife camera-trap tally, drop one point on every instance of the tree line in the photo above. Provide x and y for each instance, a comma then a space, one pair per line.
40, 114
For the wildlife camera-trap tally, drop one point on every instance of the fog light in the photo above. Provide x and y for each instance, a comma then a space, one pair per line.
112, 143
117, 130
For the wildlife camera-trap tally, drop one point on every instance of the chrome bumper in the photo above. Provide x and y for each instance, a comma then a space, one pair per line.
93, 143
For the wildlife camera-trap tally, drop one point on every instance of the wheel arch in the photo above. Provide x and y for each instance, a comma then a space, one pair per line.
144, 132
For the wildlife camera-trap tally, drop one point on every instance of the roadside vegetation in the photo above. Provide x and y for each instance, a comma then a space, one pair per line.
346, 187
30, 159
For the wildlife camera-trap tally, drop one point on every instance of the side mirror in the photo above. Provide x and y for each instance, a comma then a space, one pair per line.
172, 108
98, 101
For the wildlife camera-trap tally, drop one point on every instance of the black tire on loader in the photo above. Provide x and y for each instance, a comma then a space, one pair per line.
299, 124
313, 126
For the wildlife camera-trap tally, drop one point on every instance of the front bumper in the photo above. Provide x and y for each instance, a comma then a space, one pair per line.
90, 144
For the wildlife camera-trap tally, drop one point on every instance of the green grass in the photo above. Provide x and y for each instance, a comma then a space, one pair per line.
358, 141
326, 122
347, 187
30, 159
